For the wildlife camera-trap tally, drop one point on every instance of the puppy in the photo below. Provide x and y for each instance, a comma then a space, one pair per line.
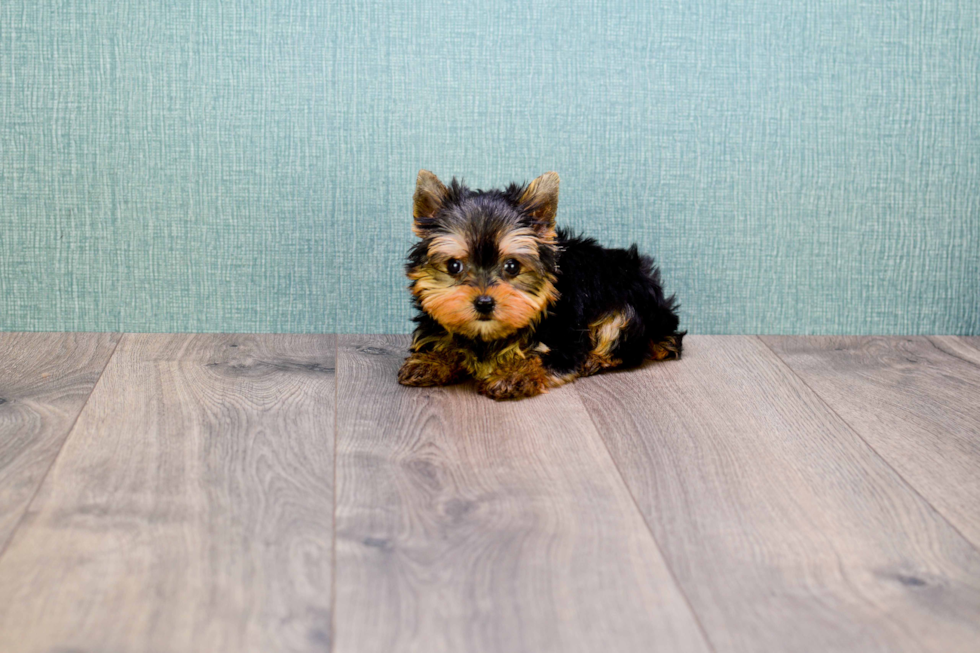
505, 298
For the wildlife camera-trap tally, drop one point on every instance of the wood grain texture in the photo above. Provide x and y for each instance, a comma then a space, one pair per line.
45, 379
916, 401
785, 531
469, 525
190, 510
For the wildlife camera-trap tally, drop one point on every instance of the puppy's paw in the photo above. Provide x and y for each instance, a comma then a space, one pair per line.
427, 370
667, 349
513, 386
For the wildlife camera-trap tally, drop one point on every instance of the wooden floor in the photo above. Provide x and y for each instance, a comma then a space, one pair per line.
282, 493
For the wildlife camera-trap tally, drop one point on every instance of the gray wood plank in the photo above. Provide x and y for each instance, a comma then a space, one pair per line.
916, 401
783, 528
45, 379
469, 525
191, 507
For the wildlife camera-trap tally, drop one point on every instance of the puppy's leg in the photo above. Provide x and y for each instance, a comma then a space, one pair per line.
668, 348
605, 334
516, 378
431, 368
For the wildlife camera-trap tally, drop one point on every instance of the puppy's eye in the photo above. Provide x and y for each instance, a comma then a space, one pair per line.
454, 267
511, 267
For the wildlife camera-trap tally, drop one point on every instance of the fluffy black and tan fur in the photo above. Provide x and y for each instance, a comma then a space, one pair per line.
520, 306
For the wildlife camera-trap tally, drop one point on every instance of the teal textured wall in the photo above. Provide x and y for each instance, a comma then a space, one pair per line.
248, 166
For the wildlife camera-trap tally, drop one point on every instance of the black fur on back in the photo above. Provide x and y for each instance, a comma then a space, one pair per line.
594, 281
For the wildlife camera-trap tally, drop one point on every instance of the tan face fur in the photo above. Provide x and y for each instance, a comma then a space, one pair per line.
476, 249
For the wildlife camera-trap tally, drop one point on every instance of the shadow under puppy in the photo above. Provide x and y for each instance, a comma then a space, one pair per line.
506, 298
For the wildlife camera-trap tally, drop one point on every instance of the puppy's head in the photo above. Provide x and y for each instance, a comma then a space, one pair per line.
485, 266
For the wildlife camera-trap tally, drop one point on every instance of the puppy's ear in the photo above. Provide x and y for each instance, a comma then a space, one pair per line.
429, 196
540, 201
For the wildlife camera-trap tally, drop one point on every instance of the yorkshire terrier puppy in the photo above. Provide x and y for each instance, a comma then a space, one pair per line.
520, 306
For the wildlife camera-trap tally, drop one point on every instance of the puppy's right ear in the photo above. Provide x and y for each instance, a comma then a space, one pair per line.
430, 193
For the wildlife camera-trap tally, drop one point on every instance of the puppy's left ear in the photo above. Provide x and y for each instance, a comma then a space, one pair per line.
430, 193
540, 201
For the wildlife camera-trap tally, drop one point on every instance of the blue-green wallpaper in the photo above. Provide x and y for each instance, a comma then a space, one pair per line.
248, 165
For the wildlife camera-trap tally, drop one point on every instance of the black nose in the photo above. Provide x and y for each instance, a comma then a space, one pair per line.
483, 304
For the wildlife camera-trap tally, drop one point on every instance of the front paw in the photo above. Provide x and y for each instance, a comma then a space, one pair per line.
514, 386
425, 370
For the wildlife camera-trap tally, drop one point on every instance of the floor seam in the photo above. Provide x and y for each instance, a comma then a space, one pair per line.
333, 493
71, 430
653, 537
884, 460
